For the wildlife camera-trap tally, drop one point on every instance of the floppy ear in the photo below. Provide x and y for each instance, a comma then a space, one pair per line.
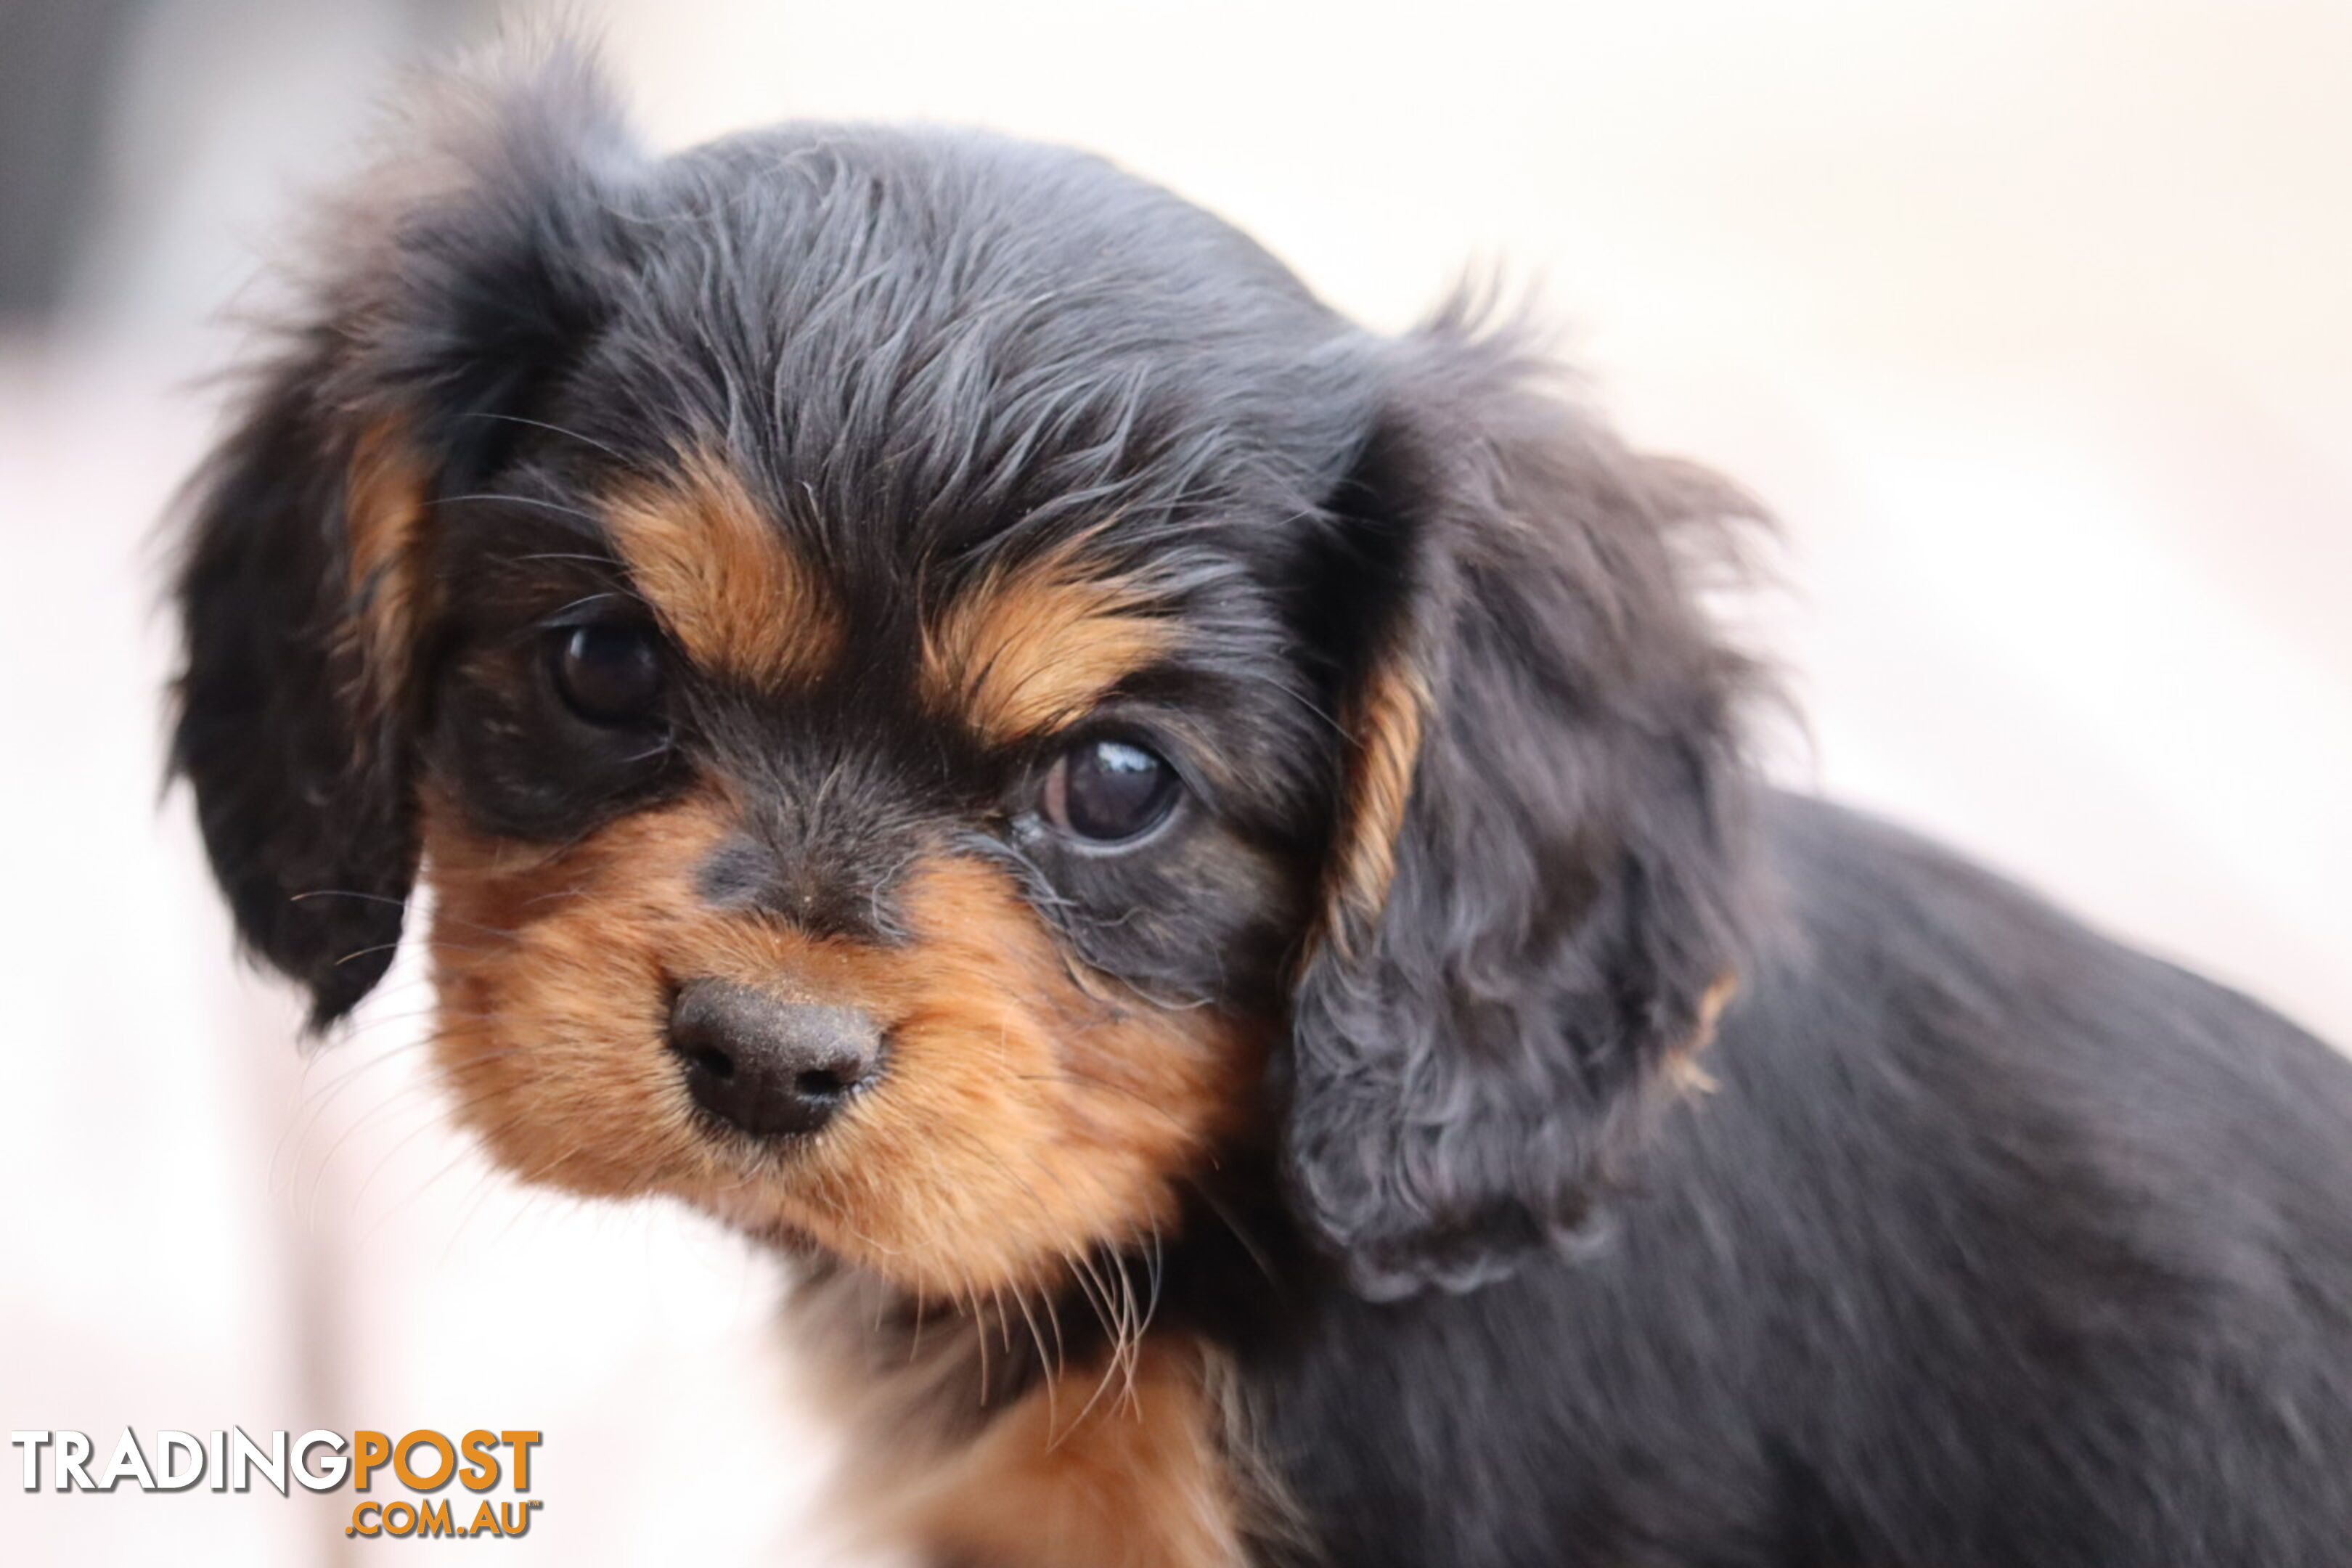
1535, 888
455, 286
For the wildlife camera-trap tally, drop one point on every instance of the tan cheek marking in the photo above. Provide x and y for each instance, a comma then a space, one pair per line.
1027, 1116
722, 579
1384, 747
550, 967
1139, 1480
390, 581
1022, 653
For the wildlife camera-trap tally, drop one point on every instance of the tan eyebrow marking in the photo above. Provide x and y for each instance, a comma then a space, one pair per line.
722, 579
1023, 651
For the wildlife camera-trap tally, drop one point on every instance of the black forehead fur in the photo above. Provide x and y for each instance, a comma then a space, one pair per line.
923, 351
922, 346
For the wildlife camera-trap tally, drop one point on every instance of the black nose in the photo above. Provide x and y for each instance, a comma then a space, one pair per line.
766, 1065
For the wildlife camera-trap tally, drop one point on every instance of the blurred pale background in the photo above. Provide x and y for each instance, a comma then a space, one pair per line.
2030, 319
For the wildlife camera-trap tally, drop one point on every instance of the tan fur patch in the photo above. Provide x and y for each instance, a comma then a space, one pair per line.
1143, 1458
722, 579
1024, 652
1683, 1071
1384, 747
1027, 1112
390, 577
1065, 1479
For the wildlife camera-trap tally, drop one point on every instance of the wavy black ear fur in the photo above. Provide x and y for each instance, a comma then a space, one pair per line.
1536, 887
457, 284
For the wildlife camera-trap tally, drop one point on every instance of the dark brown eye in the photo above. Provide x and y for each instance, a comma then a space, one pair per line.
608, 673
1105, 792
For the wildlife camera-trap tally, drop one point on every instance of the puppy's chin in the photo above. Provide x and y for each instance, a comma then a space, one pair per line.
1026, 1115
762, 1220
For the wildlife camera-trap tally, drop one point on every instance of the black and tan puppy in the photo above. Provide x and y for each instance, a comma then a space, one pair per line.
1197, 866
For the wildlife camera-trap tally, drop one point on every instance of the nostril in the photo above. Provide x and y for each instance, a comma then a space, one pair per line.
717, 1063
823, 1083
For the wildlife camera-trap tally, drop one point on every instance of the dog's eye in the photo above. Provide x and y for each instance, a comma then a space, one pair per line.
608, 673
1107, 792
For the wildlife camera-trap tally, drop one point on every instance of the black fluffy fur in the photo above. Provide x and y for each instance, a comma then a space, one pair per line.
1996, 1244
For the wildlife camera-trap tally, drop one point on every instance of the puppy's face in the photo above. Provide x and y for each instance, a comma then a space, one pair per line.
927, 908
936, 690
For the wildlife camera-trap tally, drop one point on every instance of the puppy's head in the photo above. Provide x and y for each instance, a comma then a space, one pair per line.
934, 688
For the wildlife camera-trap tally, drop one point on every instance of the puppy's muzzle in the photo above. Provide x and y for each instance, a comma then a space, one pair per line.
767, 1066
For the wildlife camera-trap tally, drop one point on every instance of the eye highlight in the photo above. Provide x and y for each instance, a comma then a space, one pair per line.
607, 672
1106, 791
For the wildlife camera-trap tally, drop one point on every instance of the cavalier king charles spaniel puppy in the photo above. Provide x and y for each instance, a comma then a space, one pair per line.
1197, 868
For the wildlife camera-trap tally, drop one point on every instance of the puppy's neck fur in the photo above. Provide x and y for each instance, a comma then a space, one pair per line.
1058, 1432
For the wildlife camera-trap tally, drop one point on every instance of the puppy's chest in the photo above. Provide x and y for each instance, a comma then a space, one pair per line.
1125, 1458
